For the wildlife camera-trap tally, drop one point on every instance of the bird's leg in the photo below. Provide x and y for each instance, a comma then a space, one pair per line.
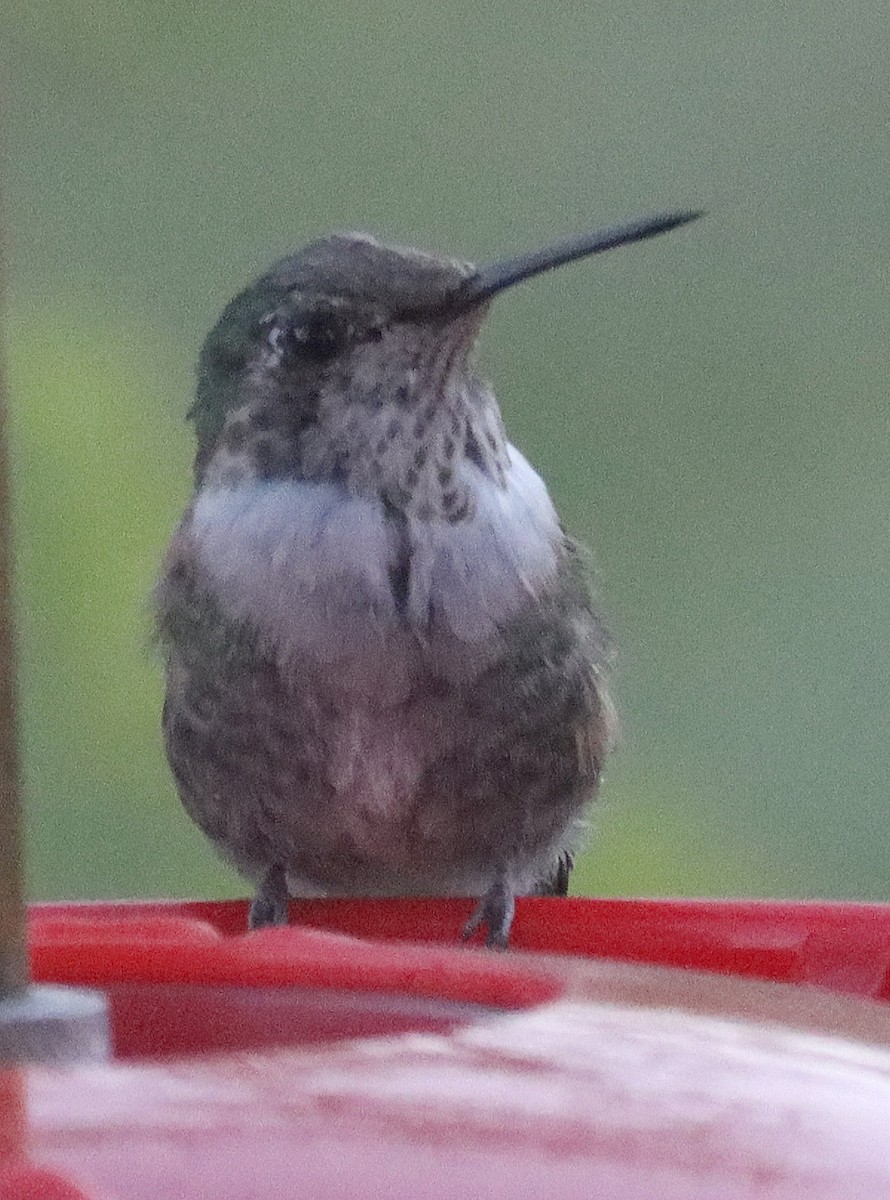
557, 883
495, 911
269, 905
564, 869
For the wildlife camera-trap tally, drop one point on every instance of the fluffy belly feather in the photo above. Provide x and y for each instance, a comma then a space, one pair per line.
369, 747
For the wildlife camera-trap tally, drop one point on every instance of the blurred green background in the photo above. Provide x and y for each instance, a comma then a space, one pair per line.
710, 409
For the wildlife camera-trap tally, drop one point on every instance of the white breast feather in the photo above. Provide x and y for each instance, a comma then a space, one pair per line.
309, 566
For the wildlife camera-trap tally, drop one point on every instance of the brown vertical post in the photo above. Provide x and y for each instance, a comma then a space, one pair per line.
12, 952
38, 1024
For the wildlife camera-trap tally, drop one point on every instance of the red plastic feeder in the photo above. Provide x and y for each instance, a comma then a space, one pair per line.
630, 1049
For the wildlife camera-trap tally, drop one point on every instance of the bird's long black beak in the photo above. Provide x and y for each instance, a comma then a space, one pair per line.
495, 277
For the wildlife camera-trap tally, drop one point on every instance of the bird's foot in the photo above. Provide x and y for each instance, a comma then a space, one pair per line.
269, 905
564, 869
495, 911
557, 883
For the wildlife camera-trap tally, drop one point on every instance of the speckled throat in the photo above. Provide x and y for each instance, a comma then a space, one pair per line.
394, 419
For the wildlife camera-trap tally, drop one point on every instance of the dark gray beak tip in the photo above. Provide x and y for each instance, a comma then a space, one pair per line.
496, 277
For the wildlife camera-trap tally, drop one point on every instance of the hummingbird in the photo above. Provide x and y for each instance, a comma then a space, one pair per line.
384, 672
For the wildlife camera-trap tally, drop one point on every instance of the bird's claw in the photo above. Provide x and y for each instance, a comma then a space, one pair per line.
269, 905
495, 911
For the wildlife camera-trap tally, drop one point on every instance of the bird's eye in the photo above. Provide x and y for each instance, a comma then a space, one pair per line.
319, 336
